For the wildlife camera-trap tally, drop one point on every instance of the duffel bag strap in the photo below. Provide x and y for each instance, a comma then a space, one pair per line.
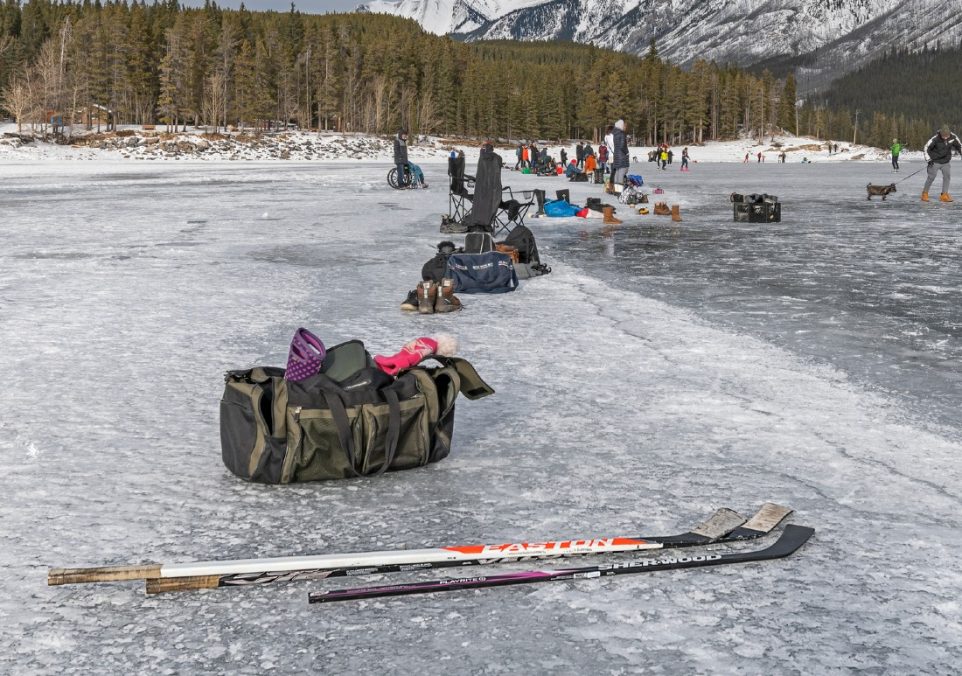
343, 424
393, 430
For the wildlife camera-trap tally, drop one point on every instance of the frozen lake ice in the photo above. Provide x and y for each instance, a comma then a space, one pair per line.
659, 372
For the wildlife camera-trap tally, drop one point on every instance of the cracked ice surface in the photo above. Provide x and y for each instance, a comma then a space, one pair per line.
655, 375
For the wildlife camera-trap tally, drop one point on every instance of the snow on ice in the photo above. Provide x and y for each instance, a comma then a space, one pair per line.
660, 372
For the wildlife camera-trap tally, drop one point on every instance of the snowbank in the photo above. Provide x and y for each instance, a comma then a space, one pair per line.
133, 142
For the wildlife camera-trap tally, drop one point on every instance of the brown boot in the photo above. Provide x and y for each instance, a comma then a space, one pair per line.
945, 197
427, 297
676, 213
644, 198
661, 209
447, 301
925, 197
609, 213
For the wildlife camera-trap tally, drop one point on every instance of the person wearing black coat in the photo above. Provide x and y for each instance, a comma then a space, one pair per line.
580, 154
619, 154
939, 150
401, 156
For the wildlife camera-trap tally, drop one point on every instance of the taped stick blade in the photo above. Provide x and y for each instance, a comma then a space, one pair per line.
721, 523
768, 516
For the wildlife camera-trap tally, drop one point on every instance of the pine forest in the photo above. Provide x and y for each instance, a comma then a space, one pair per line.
69, 64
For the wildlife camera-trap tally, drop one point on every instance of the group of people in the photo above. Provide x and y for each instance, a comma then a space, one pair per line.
664, 155
611, 157
530, 157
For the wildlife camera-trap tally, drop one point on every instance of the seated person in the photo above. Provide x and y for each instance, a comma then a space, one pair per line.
572, 169
417, 176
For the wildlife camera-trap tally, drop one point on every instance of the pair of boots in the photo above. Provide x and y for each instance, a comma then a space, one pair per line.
944, 197
431, 297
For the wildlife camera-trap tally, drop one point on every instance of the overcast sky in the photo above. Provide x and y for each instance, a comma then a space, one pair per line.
304, 6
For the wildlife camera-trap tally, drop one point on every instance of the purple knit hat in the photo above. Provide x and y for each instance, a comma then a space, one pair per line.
305, 356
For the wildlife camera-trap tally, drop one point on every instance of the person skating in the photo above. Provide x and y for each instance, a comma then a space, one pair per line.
580, 154
563, 154
939, 151
896, 151
684, 159
663, 156
517, 152
401, 157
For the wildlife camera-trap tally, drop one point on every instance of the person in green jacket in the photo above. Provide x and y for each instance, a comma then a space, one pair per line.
896, 151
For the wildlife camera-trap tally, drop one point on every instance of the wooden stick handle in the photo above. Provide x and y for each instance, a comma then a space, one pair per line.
157, 585
56, 576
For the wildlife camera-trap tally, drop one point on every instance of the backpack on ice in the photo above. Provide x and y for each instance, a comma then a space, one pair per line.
490, 272
529, 261
351, 419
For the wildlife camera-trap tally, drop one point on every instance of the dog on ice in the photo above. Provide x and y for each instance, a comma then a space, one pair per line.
883, 190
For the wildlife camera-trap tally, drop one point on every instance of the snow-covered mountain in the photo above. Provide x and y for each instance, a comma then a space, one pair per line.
448, 16
833, 35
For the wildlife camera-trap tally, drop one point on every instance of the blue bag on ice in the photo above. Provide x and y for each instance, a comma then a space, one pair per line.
635, 180
491, 272
560, 209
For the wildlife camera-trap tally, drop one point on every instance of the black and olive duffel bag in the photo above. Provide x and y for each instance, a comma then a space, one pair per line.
350, 419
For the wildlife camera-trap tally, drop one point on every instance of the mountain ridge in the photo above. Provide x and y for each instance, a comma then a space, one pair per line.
823, 38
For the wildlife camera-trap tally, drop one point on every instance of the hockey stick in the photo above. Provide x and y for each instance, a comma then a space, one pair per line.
210, 574
791, 539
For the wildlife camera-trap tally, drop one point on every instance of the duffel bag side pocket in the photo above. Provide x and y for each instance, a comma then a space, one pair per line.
413, 431
447, 381
315, 452
247, 448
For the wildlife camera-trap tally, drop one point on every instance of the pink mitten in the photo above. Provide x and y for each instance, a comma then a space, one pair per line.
415, 352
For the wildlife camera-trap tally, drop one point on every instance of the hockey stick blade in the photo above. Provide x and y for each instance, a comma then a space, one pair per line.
790, 541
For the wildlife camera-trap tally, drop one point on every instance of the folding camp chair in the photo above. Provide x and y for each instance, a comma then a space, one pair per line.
511, 211
459, 198
485, 201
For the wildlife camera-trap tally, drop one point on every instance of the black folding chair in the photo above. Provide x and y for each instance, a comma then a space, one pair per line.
511, 211
459, 198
